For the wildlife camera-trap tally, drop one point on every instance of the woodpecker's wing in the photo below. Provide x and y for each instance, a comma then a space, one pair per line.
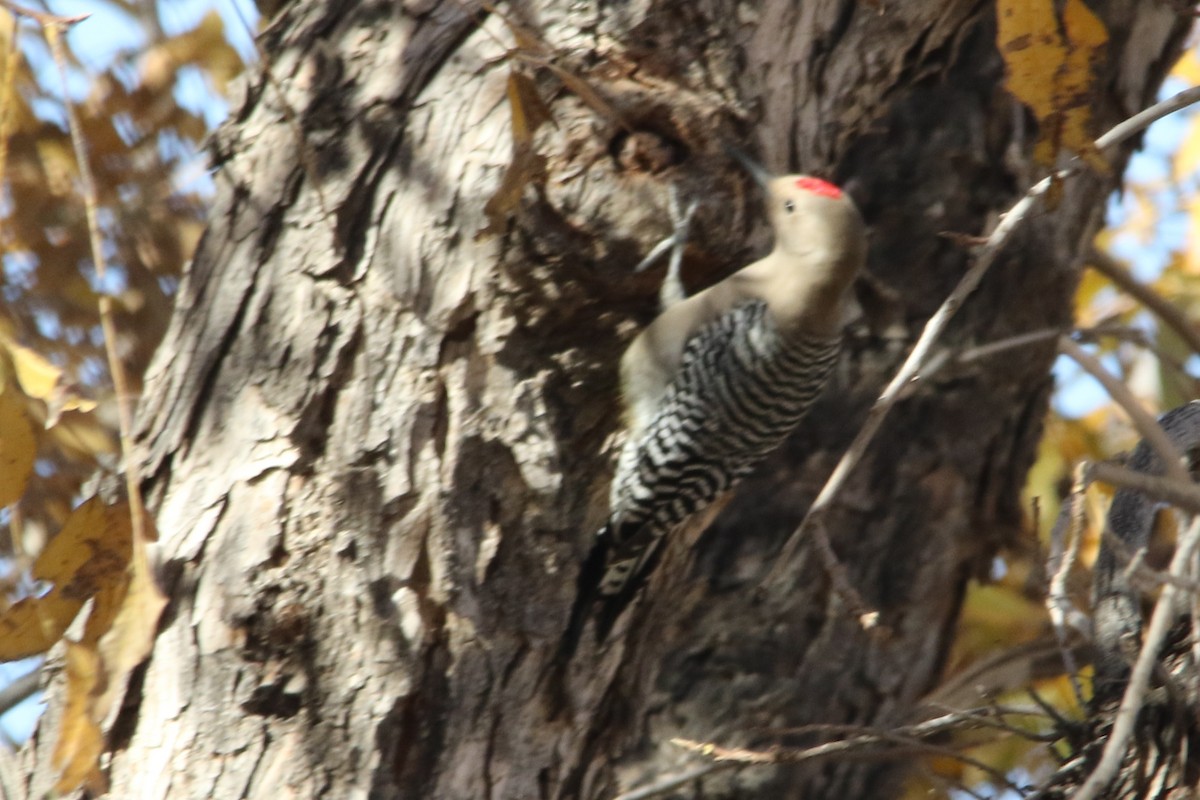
742, 387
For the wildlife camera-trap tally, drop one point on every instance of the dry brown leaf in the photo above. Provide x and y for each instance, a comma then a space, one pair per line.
529, 113
585, 92
92, 549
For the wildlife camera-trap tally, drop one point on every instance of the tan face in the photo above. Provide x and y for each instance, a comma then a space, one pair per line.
812, 217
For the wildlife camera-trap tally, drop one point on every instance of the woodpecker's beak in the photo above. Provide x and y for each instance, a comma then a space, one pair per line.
760, 175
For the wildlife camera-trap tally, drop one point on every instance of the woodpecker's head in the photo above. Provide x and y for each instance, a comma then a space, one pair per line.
814, 221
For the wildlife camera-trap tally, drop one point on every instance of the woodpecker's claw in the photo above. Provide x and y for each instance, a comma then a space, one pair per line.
672, 288
678, 238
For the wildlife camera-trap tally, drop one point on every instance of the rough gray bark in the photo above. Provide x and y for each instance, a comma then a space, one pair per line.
378, 447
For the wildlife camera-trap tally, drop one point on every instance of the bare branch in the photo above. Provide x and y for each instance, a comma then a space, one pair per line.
1137, 573
1112, 269
1144, 119
990, 716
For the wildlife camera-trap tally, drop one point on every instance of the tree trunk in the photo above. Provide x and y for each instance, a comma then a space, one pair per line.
378, 445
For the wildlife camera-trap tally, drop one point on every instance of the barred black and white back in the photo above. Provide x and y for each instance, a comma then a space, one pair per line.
742, 387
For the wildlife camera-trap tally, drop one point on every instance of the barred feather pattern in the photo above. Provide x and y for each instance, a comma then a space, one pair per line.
742, 388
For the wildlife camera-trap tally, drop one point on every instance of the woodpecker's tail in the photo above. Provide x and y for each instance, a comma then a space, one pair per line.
587, 591
609, 579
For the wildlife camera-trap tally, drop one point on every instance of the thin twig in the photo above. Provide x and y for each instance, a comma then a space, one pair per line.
1146, 425
907, 737
989, 716
1057, 777
937, 323
1004, 345
1168, 312
843, 587
19, 690
1135, 692
942, 358
672, 781
43, 18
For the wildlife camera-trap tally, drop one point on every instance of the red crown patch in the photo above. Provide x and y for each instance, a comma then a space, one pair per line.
819, 187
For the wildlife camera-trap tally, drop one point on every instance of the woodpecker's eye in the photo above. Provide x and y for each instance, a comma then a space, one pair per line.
789, 206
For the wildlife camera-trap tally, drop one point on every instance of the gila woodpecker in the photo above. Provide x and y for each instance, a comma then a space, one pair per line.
719, 379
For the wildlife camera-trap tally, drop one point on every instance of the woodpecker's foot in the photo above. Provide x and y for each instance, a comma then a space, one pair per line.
672, 288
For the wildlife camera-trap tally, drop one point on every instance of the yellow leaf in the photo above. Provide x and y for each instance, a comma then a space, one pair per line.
80, 742
93, 548
33, 625
1086, 36
130, 636
37, 376
1187, 68
1028, 37
1052, 71
89, 555
18, 447
58, 166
